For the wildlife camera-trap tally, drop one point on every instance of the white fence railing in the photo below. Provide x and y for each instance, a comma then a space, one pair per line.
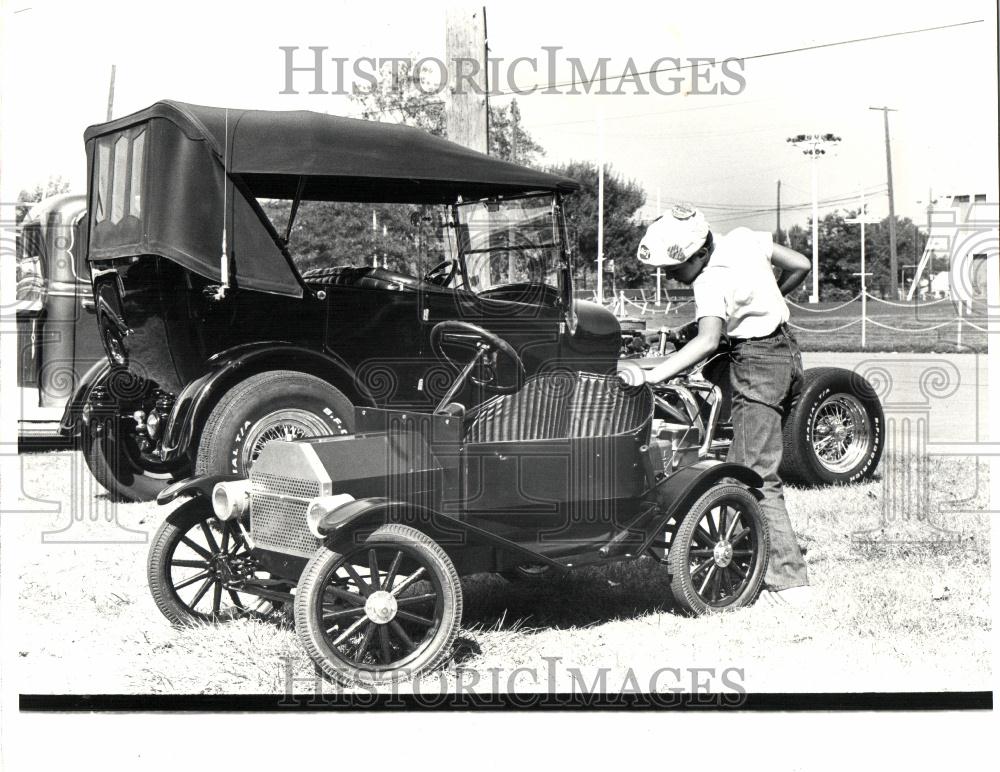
624, 306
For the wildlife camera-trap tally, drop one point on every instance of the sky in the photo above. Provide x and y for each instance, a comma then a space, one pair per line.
724, 152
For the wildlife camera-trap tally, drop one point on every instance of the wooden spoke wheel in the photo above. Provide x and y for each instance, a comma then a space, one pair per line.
382, 611
197, 566
719, 554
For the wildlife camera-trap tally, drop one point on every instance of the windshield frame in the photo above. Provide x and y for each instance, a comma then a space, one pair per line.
560, 243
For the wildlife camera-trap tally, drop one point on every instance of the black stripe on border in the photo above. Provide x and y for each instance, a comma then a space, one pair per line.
520, 702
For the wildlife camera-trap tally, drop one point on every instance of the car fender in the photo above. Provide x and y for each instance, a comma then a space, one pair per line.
201, 485
339, 526
678, 492
196, 400
74, 412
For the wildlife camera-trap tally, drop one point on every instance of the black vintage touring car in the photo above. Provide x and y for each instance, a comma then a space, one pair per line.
219, 339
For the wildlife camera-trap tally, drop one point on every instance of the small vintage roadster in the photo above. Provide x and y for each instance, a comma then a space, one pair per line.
366, 535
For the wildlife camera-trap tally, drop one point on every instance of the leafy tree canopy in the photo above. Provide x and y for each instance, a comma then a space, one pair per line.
840, 253
51, 187
622, 232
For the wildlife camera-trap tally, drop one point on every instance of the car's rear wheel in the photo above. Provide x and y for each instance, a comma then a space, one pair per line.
835, 434
273, 405
111, 454
719, 553
528, 573
382, 611
196, 564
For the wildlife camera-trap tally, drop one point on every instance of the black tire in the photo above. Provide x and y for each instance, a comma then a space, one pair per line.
529, 573
705, 578
187, 593
397, 655
116, 466
836, 432
239, 423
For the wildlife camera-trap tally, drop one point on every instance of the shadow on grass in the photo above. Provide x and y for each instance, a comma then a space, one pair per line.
577, 598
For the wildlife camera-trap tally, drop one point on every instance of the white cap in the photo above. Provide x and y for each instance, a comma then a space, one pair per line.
674, 237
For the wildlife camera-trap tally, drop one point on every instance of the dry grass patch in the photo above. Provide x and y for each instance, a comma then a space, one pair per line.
889, 616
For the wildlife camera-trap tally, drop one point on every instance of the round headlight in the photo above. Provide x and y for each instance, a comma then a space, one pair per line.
231, 499
322, 506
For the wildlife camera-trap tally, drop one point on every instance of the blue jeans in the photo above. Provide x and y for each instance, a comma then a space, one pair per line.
766, 378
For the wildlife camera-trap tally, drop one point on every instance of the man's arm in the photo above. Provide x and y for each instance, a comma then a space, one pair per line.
794, 267
701, 346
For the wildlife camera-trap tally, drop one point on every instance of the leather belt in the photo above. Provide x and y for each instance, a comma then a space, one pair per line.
781, 329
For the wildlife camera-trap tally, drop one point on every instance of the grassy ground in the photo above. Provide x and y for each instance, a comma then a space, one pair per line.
821, 319
890, 615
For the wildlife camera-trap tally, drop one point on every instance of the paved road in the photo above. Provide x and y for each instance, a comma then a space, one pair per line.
950, 389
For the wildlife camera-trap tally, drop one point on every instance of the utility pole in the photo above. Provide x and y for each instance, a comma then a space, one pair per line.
465, 52
893, 269
659, 280
600, 208
779, 211
111, 93
814, 145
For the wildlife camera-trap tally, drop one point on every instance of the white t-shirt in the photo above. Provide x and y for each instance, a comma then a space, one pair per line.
739, 287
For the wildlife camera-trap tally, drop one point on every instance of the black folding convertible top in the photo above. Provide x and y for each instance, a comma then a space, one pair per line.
344, 159
157, 183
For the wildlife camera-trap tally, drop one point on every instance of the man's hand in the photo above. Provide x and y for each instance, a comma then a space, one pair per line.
702, 345
630, 373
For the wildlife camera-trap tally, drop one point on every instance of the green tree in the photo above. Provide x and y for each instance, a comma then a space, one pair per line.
509, 140
403, 97
840, 253
51, 187
622, 233
405, 237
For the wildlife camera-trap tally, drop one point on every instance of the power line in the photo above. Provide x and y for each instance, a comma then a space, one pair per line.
660, 112
740, 208
765, 55
748, 208
818, 46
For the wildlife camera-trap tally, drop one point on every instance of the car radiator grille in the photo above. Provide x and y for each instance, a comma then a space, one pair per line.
278, 513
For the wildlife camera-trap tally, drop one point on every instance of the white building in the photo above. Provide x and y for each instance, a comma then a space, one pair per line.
965, 231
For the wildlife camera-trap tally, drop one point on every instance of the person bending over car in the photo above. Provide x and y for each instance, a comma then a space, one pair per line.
735, 291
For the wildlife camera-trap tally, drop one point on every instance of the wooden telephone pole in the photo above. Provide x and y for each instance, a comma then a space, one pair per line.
893, 260
465, 53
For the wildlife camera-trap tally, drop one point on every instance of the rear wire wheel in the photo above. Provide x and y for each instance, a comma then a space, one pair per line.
271, 406
379, 612
719, 554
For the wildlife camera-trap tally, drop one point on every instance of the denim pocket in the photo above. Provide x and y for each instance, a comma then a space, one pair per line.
762, 371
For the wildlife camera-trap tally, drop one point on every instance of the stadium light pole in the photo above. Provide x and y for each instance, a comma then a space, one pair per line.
814, 145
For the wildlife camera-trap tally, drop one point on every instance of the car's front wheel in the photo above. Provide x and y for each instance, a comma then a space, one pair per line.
273, 405
197, 566
382, 611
